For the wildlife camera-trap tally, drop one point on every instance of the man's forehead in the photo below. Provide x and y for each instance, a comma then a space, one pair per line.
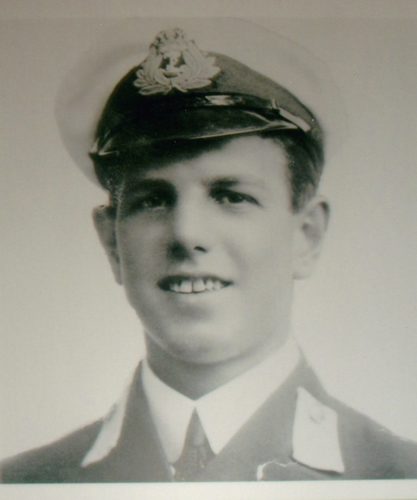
246, 163
246, 160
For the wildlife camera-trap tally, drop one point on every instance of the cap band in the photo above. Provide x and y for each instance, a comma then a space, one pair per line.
260, 115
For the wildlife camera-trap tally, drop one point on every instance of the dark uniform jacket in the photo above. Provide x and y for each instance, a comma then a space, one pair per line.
299, 433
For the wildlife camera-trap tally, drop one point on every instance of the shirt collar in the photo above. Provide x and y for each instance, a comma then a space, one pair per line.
223, 411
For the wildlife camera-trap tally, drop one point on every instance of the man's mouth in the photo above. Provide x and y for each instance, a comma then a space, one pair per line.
187, 284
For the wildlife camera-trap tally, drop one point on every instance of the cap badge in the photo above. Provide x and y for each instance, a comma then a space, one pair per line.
174, 62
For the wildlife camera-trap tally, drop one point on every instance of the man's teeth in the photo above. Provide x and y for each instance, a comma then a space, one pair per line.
185, 287
197, 285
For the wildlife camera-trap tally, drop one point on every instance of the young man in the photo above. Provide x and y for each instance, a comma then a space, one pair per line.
212, 170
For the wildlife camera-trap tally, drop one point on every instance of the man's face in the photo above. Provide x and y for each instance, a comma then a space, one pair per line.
205, 249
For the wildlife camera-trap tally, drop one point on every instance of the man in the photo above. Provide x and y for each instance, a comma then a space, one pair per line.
212, 170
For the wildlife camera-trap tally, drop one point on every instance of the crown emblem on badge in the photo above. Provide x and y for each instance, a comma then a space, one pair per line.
174, 62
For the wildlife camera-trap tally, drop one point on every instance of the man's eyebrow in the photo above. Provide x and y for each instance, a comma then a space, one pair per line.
221, 182
145, 185
231, 181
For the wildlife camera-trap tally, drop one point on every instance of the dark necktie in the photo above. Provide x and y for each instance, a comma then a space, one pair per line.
196, 452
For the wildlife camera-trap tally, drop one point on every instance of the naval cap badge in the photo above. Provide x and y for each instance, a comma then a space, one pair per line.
174, 62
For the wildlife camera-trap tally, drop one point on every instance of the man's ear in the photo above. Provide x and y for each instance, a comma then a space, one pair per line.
105, 223
311, 227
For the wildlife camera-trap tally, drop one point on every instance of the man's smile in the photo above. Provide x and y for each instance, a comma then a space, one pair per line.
186, 284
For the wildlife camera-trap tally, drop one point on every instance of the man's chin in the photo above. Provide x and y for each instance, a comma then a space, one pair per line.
207, 349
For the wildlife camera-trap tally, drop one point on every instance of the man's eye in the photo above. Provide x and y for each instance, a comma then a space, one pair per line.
227, 197
152, 202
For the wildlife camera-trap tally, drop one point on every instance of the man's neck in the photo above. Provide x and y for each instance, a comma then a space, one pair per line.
195, 380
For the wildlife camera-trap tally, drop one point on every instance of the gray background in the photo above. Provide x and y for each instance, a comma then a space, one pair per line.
68, 339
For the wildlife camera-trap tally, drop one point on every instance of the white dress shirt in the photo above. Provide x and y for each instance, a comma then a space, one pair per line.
223, 411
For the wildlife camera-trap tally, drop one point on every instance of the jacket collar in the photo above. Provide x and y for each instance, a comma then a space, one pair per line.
293, 435
315, 439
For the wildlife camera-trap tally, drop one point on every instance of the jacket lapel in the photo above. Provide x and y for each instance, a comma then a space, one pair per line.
264, 448
138, 455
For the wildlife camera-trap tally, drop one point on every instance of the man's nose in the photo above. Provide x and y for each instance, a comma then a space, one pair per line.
190, 232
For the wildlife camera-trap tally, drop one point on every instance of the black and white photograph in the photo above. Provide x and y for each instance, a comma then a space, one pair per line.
209, 250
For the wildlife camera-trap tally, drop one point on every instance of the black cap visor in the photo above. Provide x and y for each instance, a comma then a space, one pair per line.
164, 120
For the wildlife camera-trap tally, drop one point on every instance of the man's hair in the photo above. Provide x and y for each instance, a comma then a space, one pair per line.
305, 165
304, 157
